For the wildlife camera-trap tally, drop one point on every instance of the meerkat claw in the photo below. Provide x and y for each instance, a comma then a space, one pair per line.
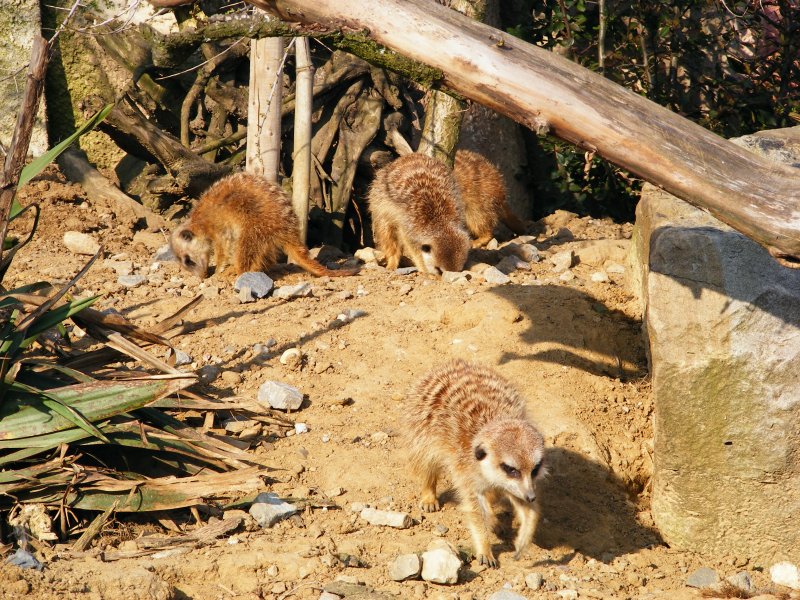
489, 561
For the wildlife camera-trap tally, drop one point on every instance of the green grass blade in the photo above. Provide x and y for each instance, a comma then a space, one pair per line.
37, 165
95, 401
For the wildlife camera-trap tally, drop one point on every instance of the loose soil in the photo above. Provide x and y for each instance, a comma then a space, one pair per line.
573, 347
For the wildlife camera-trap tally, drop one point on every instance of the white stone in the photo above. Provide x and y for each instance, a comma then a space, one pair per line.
300, 428
567, 276
568, 594
291, 357
279, 395
534, 580
440, 564
268, 509
131, 281
493, 275
454, 277
80, 243
562, 261
293, 291
164, 254
259, 284
387, 518
121, 267
405, 566
786, 574
599, 277
506, 595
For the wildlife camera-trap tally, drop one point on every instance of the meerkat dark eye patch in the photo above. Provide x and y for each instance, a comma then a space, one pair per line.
480, 453
187, 235
188, 261
425, 248
535, 470
510, 471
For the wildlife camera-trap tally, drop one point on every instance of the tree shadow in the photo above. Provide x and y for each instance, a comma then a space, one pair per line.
570, 327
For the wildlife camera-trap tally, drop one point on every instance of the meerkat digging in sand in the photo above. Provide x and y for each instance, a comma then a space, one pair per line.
483, 193
465, 420
416, 212
247, 222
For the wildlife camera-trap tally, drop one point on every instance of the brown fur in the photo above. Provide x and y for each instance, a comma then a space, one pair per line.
483, 193
246, 221
416, 213
467, 421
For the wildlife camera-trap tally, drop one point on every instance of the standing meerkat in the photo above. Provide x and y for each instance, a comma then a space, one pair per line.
483, 193
467, 421
247, 221
416, 212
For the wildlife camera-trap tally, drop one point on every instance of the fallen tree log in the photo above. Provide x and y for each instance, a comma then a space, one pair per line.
533, 87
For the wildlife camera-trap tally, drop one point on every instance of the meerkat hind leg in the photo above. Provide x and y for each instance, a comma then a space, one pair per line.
528, 516
429, 502
481, 241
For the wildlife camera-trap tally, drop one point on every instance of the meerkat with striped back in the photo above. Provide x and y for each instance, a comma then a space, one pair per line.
466, 421
483, 192
416, 212
246, 221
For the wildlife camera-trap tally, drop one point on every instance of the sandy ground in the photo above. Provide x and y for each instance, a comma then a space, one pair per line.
571, 344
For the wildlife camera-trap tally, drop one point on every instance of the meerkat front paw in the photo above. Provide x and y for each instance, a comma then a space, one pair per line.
488, 559
429, 503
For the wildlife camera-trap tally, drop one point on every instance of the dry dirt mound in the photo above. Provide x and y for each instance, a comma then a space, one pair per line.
569, 339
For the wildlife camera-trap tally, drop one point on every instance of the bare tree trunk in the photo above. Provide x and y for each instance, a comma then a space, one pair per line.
536, 87
304, 99
264, 114
441, 127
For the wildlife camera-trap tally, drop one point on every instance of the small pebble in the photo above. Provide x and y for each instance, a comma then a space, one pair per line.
291, 357
562, 261
703, 578
80, 243
534, 580
786, 574
493, 275
279, 395
131, 281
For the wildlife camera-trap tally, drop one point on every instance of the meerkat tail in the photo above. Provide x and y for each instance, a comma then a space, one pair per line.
512, 221
299, 255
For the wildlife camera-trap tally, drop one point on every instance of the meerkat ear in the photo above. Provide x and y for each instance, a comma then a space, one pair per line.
187, 235
480, 453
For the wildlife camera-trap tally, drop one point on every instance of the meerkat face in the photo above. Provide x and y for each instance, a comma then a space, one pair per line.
510, 457
446, 252
192, 251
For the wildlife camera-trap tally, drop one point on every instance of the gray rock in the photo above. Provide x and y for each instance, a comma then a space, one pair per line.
260, 284
246, 295
786, 574
209, 373
506, 595
405, 566
267, 509
164, 254
291, 357
293, 291
279, 395
406, 270
527, 252
24, 560
387, 518
493, 275
440, 563
131, 281
724, 332
562, 261
181, 358
742, 581
509, 264
703, 578
454, 277
534, 580
80, 243
328, 596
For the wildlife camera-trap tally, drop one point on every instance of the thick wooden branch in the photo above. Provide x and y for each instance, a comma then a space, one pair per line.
759, 198
18, 150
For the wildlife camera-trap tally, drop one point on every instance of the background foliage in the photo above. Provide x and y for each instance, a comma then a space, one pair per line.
732, 67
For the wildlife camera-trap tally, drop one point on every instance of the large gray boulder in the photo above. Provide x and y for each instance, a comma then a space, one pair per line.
723, 323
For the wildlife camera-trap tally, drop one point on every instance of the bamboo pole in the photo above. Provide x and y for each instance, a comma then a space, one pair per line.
264, 107
304, 99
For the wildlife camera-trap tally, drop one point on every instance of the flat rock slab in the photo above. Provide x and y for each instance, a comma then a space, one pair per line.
268, 509
260, 284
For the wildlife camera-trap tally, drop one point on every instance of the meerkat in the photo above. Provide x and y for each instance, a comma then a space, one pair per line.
483, 193
246, 221
416, 212
468, 422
